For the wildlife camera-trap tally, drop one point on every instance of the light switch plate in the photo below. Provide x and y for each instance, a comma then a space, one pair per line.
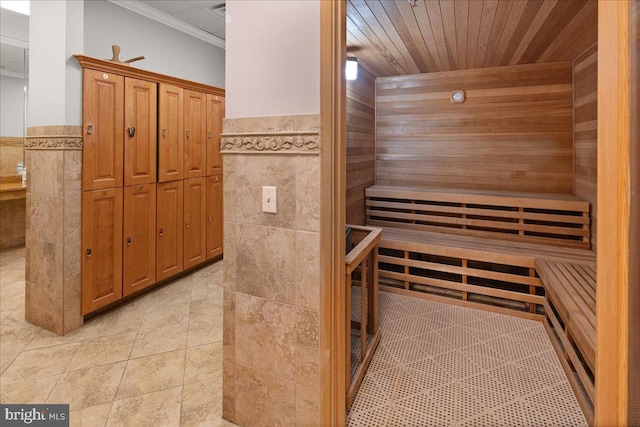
269, 199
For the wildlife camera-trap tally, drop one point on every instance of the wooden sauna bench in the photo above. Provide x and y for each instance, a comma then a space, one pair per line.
570, 321
475, 248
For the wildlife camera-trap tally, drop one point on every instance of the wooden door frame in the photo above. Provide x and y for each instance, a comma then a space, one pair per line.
611, 405
332, 217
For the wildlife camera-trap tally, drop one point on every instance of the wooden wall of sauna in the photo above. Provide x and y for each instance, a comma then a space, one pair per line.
513, 133
585, 84
360, 143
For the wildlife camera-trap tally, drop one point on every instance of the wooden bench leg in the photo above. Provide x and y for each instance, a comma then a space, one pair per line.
348, 325
532, 289
372, 295
406, 271
464, 280
363, 309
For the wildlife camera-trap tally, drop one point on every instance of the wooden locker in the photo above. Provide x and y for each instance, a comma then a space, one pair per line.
102, 124
101, 248
214, 216
195, 225
195, 134
140, 121
169, 235
215, 115
139, 243
170, 138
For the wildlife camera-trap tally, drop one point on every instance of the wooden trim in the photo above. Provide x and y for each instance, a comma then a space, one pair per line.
613, 214
333, 339
128, 71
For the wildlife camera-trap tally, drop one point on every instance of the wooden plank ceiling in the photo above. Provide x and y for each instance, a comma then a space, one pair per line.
397, 37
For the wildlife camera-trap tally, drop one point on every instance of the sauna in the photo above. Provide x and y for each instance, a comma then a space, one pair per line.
472, 145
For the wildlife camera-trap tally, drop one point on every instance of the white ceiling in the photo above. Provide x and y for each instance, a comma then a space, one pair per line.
198, 13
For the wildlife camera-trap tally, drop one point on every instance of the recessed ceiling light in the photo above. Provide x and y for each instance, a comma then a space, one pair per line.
20, 6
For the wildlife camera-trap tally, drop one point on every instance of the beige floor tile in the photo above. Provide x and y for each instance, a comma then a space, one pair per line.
208, 287
163, 315
201, 333
102, 351
88, 387
204, 363
16, 333
12, 303
44, 362
201, 404
152, 373
161, 408
6, 360
44, 338
206, 310
35, 390
122, 320
160, 340
93, 416
12, 289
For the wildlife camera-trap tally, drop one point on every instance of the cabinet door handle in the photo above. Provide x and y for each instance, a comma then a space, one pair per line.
89, 129
210, 135
88, 252
188, 134
128, 241
210, 218
132, 131
188, 225
164, 132
161, 232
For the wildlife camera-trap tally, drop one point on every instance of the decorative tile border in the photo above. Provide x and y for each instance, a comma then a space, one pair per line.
285, 142
11, 141
54, 142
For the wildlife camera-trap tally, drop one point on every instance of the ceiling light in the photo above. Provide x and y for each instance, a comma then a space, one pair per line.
352, 68
20, 6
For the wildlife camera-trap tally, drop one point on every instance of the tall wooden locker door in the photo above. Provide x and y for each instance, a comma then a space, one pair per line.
195, 225
214, 216
169, 236
170, 138
139, 243
102, 118
195, 133
140, 122
215, 115
101, 248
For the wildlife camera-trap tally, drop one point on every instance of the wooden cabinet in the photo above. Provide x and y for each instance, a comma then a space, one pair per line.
152, 179
195, 224
102, 118
214, 216
215, 115
195, 133
140, 117
139, 244
101, 248
170, 127
169, 233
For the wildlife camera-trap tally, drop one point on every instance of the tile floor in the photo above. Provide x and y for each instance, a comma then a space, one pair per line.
439, 365
156, 361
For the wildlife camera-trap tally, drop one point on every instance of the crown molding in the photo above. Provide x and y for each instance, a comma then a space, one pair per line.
13, 74
11, 41
168, 20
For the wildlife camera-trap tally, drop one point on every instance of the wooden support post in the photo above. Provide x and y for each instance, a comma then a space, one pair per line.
363, 308
406, 270
372, 293
348, 326
464, 216
464, 279
521, 222
532, 289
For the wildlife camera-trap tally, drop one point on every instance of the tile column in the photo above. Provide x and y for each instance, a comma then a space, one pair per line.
54, 158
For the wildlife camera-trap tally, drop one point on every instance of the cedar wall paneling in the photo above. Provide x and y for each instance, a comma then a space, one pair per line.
585, 82
513, 133
360, 143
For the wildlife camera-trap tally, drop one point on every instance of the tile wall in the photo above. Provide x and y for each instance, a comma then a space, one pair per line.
271, 272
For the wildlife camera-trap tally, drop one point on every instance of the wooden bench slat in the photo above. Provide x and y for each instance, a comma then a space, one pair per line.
570, 219
515, 226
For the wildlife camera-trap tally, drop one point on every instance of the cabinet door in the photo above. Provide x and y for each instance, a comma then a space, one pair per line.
195, 133
170, 128
195, 225
139, 245
169, 229
102, 118
101, 248
140, 121
214, 216
215, 115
